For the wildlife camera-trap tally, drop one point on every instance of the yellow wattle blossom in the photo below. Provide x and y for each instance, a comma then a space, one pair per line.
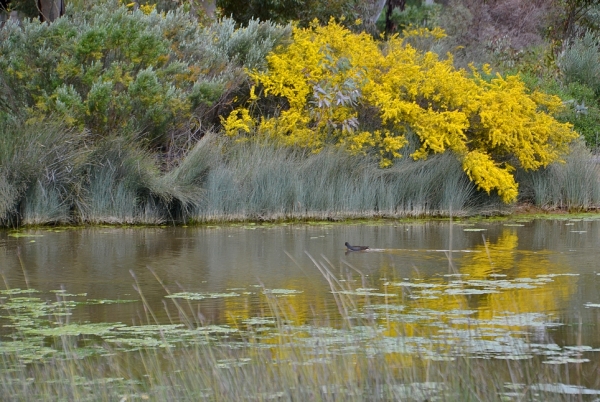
421, 32
238, 120
488, 176
147, 8
347, 89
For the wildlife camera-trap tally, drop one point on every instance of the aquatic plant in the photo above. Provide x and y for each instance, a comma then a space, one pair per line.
380, 350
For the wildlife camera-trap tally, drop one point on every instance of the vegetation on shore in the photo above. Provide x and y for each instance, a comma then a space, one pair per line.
116, 115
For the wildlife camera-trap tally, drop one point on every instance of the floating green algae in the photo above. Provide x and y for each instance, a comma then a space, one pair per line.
20, 234
200, 295
282, 292
97, 329
17, 291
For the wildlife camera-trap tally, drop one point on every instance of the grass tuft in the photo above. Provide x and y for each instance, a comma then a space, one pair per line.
260, 181
574, 184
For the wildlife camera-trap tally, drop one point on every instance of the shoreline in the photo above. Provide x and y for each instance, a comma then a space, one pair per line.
520, 211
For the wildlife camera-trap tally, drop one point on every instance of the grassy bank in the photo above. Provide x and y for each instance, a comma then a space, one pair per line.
50, 175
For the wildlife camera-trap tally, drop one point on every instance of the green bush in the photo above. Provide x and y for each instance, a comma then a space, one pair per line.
421, 15
580, 102
580, 61
109, 69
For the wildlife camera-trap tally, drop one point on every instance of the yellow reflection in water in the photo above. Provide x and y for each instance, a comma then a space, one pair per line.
498, 280
494, 286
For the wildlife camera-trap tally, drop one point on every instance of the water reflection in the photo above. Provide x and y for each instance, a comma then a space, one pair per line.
510, 278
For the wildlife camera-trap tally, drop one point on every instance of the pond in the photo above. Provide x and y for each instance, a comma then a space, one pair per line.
502, 290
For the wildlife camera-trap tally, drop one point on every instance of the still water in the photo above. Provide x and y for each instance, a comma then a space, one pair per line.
531, 279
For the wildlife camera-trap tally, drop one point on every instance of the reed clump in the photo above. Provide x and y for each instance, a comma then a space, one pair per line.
56, 175
572, 185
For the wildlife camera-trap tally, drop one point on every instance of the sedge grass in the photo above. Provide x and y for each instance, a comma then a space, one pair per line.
574, 184
264, 182
36, 169
49, 175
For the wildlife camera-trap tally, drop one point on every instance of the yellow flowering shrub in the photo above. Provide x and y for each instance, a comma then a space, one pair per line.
347, 89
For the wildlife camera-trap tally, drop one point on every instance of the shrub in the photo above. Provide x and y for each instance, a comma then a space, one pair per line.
580, 104
423, 15
110, 69
579, 62
283, 11
328, 79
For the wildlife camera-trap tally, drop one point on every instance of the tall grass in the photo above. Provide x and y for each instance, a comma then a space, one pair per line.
51, 175
115, 185
44, 203
574, 184
260, 181
36, 172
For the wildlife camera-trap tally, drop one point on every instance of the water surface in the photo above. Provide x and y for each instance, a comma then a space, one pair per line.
530, 284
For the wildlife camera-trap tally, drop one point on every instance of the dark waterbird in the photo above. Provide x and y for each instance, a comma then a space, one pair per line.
355, 248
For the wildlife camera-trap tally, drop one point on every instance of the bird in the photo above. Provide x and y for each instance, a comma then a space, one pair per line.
356, 248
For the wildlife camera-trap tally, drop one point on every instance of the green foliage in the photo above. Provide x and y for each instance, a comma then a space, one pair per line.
247, 46
109, 69
580, 102
420, 15
135, 90
283, 11
27, 8
580, 61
